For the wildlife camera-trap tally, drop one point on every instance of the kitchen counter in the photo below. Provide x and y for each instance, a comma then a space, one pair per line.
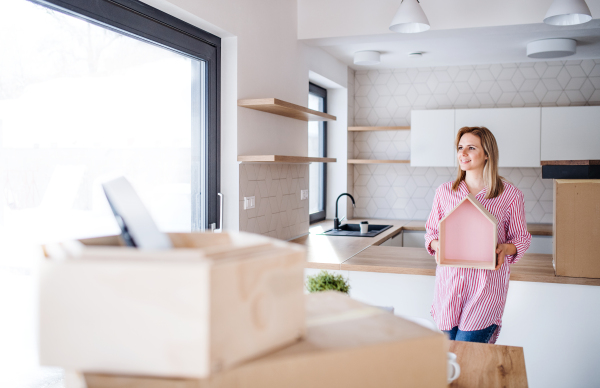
329, 252
364, 254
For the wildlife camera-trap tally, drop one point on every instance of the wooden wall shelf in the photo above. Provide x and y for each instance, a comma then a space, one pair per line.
373, 161
282, 159
368, 129
287, 109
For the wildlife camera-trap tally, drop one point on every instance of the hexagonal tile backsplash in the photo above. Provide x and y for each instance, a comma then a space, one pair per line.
278, 210
386, 98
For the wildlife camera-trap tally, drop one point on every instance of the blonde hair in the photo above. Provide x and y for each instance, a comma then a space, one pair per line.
493, 181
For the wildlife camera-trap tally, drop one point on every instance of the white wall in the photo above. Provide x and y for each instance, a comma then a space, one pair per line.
556, 324
337, 147
387, 97
261, 57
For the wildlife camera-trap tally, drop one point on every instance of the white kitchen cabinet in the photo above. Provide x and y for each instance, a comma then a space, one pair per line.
517, 132
432, 138
571, 133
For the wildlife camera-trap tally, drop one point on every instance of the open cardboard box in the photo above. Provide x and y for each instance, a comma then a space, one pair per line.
210, 303
468, 236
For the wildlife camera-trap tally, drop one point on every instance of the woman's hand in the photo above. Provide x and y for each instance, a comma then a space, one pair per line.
434, 246
502, 250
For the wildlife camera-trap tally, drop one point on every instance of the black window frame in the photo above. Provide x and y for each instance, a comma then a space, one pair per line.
321, 215
141, 21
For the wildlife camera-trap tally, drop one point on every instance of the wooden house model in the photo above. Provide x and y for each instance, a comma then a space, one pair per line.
468, 236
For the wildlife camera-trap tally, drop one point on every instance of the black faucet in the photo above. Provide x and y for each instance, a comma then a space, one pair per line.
337, 222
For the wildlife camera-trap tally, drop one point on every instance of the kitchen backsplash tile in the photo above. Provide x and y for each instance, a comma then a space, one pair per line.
386, 98
278, 210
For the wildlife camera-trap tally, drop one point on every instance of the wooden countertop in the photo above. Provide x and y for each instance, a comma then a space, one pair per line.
533, 267
328, 252
487, 365
364, 254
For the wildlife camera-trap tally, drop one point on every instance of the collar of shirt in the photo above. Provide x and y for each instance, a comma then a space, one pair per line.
464, 189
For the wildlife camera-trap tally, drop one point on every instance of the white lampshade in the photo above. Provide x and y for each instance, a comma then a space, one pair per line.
367, 58
410, 18
551, 48
568, 13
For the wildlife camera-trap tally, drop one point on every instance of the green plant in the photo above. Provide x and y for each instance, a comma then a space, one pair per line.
327, 281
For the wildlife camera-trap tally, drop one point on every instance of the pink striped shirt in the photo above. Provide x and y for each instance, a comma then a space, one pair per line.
474, 299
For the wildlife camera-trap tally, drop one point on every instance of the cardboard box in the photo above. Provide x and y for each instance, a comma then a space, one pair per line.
577, 228
468, 236
214, 301
347, 344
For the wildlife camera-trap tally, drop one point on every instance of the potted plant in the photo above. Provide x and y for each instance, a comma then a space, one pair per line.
327, 281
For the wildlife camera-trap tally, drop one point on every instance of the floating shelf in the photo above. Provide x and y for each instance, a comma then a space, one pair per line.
367, 129
287, 109
282, 159
373, 161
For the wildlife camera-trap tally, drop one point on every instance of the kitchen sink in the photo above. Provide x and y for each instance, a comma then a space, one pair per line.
353, 230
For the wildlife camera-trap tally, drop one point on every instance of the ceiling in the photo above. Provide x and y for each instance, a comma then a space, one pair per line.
492, 35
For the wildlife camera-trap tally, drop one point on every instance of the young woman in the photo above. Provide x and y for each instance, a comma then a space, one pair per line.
468, 303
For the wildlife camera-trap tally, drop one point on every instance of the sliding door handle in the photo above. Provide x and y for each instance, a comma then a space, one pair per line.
220, 214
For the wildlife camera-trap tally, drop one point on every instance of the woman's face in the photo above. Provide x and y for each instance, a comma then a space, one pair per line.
470, 153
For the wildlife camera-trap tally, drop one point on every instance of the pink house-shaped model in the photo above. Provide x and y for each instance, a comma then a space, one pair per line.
468, 236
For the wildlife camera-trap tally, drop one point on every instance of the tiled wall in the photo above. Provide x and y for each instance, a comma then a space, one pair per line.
278, 211
386, 98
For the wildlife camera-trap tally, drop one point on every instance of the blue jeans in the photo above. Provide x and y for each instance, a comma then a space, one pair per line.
482, 335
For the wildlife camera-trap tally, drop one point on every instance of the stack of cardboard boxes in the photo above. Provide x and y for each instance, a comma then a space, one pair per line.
219, 310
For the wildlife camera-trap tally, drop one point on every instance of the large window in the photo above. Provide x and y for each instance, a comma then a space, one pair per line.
317, 147
90, 90
94, 90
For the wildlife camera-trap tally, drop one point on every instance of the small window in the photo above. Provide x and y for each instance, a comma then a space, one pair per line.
317, 147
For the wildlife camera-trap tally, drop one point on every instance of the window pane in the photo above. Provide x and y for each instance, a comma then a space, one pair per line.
80, 104
315, 149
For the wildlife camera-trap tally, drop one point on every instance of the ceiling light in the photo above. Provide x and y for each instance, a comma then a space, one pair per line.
551, 48
568, 13
410, 18
367, 58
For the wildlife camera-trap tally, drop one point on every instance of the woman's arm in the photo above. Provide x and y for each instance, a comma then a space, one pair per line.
431, 226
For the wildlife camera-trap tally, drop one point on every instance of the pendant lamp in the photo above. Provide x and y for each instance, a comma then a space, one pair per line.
410, 18
568, 13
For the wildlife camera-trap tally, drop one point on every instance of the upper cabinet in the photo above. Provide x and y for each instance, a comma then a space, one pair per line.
517, 132
432, 138
571, 133
525, 136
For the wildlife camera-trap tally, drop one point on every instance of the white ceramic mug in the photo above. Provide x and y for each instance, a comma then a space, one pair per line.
364, 227
453, 368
